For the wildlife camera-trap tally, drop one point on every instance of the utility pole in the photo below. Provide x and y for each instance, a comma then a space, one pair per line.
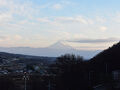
25, 83
89, 77
49, 85
106, 68
25, 77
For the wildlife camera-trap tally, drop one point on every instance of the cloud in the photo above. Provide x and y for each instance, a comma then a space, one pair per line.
9, 38
103, 28
57, 6
116, 17
5, 17
62, 4
25, 16
100, 19
105, 40
2, 38
23, 9
65, 20
43, 20
77, 19
17, 37
102, 47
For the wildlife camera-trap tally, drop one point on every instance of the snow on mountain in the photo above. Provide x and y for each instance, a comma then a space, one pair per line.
60, 45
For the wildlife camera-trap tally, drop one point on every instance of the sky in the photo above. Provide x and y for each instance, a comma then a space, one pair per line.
83, 24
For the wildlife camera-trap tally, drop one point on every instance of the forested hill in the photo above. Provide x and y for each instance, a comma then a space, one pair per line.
24, 58
109, 57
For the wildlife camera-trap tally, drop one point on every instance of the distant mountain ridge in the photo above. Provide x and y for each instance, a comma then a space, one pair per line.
54, 50
19, 58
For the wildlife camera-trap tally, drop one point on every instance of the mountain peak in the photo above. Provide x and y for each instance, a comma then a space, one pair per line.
59, 45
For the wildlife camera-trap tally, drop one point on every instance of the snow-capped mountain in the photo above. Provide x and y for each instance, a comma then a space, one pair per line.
60, 45
54, 50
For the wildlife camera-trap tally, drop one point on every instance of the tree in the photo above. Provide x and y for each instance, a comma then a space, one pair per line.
71, 72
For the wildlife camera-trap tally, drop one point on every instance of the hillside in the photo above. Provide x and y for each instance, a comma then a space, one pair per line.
109, 58
19, 58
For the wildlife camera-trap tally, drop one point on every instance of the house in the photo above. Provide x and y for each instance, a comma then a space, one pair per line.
116, 75
115, 84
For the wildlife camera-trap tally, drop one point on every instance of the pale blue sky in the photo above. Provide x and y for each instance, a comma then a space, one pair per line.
40, 23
